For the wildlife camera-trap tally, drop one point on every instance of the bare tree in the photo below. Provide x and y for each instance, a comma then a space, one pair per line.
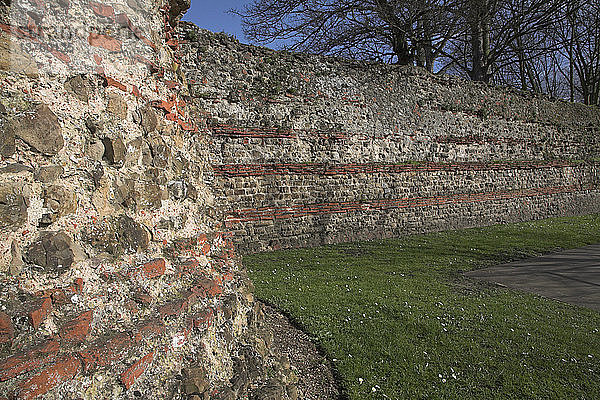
498, 33
580, 33
550, 46
400, 31
567, 61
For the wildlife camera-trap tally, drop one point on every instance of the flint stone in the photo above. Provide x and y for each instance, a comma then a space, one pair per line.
97, 173
15, 169
176, 9
48, 173
13, 208
117, 235
117, 106
151, 196
132, 236
273, 390
60, 201
79, 86
148, 119
7, 142
160, 152
177, 189
12, 57
40, 130
94, 127
16, 259
53, 251
114, 151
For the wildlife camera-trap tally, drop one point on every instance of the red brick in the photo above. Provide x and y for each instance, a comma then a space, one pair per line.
203, 319
39, 310
175, 307
153, 269
207, 288
132, 373
164, 105
104, 41
113, 82
103, 10
28, 360
7, 330
77, 329
149, 329
63, 370
143, 298
189, 266
105, 352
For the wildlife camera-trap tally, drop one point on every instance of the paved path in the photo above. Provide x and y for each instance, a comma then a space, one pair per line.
572, 276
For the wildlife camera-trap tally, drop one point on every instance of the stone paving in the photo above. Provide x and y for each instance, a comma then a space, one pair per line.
572, 276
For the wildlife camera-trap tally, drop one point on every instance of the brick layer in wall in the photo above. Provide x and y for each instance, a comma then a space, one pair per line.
289, 205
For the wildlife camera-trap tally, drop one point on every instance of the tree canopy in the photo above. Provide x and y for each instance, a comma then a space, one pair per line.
550, 46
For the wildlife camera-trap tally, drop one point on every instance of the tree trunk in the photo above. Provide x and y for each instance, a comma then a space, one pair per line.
401, 47
480, 42
421, 56
479, 70
571, 21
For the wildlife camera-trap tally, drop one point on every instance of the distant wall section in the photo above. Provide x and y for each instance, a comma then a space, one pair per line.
309, 150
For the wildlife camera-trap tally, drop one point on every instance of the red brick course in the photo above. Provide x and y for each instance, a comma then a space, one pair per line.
105, 352
7, 330
29, 360
296, 211
39, 310
132, 373
63, 370
77, 329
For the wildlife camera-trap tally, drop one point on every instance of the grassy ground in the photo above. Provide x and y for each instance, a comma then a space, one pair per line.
400, 321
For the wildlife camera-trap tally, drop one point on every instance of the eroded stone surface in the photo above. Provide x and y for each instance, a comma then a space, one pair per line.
80, 87
115, 235
40, 129
60, 201
13, 207
7, 142
52, 251
49, 173
12, 57
114, 151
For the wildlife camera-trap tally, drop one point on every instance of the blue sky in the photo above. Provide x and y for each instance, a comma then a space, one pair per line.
212, 15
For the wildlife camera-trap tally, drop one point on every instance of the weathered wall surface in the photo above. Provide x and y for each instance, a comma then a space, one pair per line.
116, 280
308, 150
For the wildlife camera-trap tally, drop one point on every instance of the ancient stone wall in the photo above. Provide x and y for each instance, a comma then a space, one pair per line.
308, 150
116, 279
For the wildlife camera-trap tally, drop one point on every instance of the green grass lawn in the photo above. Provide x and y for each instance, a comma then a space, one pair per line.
400, 321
